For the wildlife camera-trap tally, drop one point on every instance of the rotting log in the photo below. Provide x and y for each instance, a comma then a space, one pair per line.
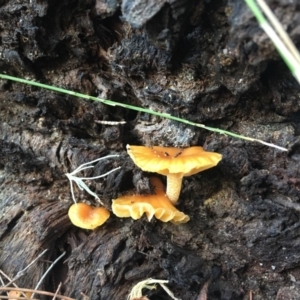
208, 62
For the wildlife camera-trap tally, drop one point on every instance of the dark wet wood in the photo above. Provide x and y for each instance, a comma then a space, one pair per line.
209, 63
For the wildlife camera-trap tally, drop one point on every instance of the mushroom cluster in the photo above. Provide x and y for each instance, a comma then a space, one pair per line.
175, 163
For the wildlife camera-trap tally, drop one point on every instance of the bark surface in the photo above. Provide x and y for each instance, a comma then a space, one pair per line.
206, 61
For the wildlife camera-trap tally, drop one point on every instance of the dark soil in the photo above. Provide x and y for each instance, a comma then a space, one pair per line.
206, 61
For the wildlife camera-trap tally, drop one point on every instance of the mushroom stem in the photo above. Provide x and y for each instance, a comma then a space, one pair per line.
174, 182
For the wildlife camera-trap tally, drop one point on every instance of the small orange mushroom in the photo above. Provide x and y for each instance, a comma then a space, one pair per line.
14, 295
157, 205
175, 163
87, 217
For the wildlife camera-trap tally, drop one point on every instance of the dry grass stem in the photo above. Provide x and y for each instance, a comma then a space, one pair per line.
23, 290
46, 273
278, 27
85, 297
56, 292
16, 298
203, 292
8, 278
23, 272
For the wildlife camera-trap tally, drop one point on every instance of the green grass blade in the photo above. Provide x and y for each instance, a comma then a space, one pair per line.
137, 108
283, 50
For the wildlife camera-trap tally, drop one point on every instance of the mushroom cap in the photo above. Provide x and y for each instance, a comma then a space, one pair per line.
157, 205
14, 295
170, 160
87, 217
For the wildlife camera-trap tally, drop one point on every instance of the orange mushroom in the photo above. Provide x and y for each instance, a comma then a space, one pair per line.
14, 295
175, 163
87, 217
157, 205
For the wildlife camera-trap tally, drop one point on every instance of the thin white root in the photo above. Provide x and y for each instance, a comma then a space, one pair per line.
79, 180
